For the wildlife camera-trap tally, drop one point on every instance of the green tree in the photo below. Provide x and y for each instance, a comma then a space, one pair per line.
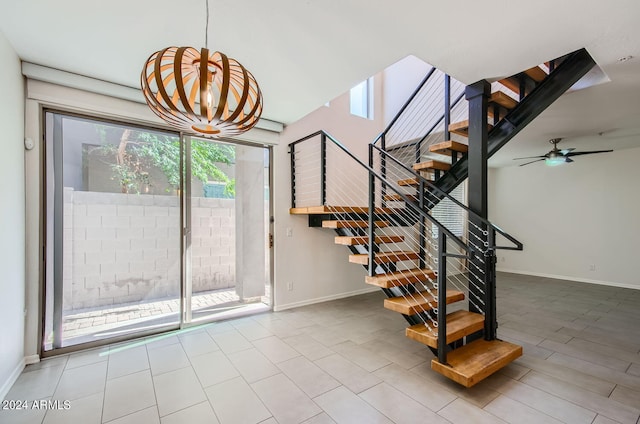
138, 151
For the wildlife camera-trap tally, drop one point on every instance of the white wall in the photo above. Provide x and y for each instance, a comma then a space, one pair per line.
571, 217
12, 221
400, 81
318, 268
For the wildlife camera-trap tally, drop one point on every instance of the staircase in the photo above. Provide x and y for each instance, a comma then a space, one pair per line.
439, 274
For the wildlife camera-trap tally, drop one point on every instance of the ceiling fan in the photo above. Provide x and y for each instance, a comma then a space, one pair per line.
558, 157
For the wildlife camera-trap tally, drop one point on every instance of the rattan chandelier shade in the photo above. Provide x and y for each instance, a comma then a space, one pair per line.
202, 92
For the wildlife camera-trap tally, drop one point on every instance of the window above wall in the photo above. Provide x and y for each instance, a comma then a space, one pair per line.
361, 99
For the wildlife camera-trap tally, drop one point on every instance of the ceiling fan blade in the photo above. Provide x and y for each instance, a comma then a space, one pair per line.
568, 160
565, 151
531, 157
532, 162
587, 153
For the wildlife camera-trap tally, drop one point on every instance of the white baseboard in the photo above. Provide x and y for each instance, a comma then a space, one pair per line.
278, 308
4, 389
31, 359
569, 278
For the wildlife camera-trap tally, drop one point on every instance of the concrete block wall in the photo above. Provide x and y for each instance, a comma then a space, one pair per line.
122, 248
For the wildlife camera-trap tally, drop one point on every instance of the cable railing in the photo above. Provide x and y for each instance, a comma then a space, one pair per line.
397, 234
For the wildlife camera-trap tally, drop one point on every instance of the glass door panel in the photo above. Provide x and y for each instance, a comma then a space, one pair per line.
112, 230
227, 251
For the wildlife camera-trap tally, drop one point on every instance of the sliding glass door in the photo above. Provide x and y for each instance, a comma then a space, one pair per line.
134, 245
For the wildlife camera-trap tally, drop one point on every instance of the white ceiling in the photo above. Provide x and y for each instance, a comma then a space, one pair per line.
306, 52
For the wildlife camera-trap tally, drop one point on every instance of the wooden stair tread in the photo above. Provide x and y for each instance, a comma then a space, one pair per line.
503, 99
352, 224
477, 360
423, 301
536, 73
448, 146
383, 257
408, 182
459, 324
398, 198
512, 83
431, 164
358, 240
401, 278
322, 210
462, 128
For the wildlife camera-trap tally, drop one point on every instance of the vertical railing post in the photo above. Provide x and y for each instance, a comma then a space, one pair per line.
323, 169
490, 319
372, 219
422, 227
383, 167
442, 297
292, 152
447, 106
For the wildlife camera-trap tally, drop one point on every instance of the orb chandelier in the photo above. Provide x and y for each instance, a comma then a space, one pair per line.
201, 92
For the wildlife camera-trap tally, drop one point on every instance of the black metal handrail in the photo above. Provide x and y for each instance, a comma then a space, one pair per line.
472, 214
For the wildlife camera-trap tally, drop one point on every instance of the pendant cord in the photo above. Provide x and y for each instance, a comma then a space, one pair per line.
206, 27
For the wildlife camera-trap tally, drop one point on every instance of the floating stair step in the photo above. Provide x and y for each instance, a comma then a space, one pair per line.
401, 278
459, 324
354, 241
383, 257
462, 128
512, 83
432, 164
322, 210
477, 360
352, 224
503, 99
408, 182
448, 146
536, 73
414, 303
398, 198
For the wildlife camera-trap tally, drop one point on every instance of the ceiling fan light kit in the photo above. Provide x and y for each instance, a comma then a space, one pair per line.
558, 157
201, 92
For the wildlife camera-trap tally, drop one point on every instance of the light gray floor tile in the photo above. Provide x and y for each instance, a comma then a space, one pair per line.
515, 370
586, 355
515, 412
161, 340
201, 413
600, 371
345, 407
176, 390
462, 412
604, 350
322, 418
589, 400
349, 374
275, 349
198, 343
167, 358
22, 416
308, 376
362, 356
604, 420
634, 369
213, 368
399, 407
627, 396
269, 421
127, 394
231, 341
127, 361
251, 330
38, 384
218, 327
287, 403
542, 401
87, 357
396, 355
82, 381
145, 416
86, 410
309, 347
416, 387
253, 365
234, 402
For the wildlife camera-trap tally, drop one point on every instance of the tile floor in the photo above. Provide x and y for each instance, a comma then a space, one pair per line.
347, 361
